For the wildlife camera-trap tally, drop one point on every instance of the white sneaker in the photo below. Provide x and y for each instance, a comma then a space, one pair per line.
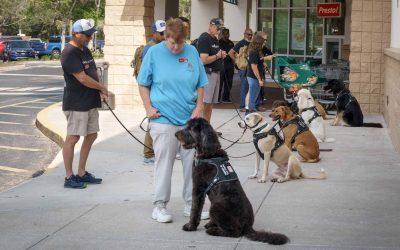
161, 214
204, 215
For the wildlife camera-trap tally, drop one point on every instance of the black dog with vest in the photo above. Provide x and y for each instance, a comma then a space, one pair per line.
348, 108
231, 214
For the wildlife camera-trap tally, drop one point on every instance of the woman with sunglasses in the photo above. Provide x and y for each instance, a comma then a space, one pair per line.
171, 85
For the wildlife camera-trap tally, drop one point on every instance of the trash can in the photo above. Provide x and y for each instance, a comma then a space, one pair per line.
103, 73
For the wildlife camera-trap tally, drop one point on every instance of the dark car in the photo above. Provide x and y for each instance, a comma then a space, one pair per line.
38, 46
18, 49
3, 45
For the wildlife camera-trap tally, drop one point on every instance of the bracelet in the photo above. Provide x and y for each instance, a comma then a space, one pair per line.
216, 56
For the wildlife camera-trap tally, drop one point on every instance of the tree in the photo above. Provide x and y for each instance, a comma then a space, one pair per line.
12, 13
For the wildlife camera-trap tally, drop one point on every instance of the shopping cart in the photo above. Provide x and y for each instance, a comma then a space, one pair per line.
314, 78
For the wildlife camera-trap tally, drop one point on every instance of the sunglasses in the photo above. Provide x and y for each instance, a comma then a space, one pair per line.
248, 34
86, 35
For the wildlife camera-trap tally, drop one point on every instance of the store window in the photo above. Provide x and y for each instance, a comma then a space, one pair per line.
294, 28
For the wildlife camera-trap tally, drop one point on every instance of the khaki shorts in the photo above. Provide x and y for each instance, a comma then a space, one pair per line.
211, 90
82, 123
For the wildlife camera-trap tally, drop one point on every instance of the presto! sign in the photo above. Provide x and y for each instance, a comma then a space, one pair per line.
329, 10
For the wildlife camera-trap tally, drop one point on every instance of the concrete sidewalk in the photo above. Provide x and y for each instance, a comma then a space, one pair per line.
357, 207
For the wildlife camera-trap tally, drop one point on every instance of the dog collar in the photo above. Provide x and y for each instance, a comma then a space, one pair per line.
260, 128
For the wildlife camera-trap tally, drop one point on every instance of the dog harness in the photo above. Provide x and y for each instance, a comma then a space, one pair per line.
276, 131
225, 171
315, 115
343, 93
301, 126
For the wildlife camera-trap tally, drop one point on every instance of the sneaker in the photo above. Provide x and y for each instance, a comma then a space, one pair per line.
73, 182
226, 101
161, 214
148, 161
89, 178
178, 157
243, 110
261, 109
204, 215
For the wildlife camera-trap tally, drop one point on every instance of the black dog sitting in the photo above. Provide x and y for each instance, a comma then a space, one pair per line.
348, 109
231, 214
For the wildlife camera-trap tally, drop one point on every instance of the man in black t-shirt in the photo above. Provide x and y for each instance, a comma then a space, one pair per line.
244, 85
211, 55
83, 94
227, 70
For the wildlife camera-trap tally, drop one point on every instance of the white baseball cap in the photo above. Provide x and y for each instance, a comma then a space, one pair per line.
158, 26
85, 26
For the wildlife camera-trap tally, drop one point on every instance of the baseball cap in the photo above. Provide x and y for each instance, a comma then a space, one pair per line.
85, 26
217, 22
158, 26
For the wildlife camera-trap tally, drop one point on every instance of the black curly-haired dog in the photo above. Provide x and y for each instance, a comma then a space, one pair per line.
231, 214
348, 109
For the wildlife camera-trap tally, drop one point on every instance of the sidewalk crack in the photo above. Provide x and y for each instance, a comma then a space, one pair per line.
61, 228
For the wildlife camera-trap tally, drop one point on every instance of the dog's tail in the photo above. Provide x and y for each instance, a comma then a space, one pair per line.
268, 237
372, 125
322, 177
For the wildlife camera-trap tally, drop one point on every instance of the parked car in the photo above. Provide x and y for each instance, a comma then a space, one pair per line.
3, 45
38, 46
18, 49
99, 45
54, 45
8, 38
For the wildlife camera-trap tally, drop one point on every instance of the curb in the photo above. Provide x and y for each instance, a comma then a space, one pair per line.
48, 128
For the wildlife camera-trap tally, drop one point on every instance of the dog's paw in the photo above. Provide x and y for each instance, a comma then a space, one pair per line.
209, 224
253, 176
274, 179
280, 180
334, 124
319, 140
189, 227
262, 180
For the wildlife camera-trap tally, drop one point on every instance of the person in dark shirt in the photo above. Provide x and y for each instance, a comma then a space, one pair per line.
83, 94
228, 68
211, 55
244, 85
255, 69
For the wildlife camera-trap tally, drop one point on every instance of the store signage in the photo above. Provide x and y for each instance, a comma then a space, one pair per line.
329, 10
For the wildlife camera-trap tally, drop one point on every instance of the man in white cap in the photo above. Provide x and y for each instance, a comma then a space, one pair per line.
83, 94
158, 28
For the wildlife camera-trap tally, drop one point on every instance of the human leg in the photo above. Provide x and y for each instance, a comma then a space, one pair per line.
244, 88
228, 77
210, 94
254, 89
68, 153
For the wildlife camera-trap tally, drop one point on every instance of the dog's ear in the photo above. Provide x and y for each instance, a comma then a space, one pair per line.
207, 139
287, 111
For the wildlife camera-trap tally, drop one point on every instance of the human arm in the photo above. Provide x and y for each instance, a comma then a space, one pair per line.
89, 82
254, 67
232, 55
198, 110
151, 112
207, 59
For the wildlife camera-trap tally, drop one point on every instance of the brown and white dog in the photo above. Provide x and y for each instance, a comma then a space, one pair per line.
297, 135
287, 163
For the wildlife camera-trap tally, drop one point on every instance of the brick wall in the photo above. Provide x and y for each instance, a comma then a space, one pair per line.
370, 35
127, 25
392, 93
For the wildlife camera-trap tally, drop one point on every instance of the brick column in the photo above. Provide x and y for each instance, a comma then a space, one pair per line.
127, 24
370, 35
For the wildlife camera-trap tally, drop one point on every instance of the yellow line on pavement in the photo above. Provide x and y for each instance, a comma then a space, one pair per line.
9, 133
17, 170
13, 123
29, 107
14, 114
21, 149
45, 102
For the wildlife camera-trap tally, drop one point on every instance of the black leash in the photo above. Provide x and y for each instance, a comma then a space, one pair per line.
134, 137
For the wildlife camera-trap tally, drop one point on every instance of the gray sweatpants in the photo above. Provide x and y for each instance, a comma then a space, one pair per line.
165, 147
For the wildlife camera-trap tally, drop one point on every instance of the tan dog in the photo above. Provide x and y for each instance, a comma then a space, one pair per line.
287, 163
296, 87
297, 136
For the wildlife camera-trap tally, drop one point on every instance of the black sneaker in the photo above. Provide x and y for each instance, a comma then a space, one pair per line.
74, 182
89, 178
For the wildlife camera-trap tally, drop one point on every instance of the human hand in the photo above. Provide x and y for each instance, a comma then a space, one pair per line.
103, 97
222, 54
261, 82
197, 112
104, 91
153, 113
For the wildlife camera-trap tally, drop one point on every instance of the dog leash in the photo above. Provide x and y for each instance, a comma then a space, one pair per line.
134, 137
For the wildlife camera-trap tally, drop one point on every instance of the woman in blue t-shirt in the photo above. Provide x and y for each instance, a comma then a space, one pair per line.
255, 69
171, 84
